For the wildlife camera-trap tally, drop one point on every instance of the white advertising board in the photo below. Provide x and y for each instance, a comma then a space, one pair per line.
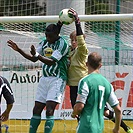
24, 84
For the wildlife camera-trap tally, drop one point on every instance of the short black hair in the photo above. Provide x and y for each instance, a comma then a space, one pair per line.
52, 28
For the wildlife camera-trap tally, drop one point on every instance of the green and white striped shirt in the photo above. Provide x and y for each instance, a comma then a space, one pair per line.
58, 52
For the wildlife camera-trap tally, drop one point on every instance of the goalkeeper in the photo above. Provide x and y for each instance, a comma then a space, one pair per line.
77, 69
53, 53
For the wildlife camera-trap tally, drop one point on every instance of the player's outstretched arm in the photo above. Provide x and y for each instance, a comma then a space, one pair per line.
75, 15
59, 24
15, 47
77, 22
82, 48
118, 116
48, 61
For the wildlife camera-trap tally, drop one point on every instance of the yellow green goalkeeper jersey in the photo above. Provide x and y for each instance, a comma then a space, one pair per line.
78, 58
58, 52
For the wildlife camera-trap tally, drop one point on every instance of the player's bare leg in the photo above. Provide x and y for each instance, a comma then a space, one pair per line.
36, 118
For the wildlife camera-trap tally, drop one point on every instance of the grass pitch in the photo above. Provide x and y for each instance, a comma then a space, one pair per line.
60, 126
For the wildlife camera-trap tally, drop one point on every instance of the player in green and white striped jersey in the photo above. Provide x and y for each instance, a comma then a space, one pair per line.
52, 52
94, 91
58, 52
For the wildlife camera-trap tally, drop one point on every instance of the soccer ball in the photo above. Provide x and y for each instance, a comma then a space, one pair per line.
66, 17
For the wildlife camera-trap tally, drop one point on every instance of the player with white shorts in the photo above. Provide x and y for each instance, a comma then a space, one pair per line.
53, 53
46, 92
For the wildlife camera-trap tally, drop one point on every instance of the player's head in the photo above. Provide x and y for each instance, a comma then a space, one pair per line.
94, 60
52, 33
74, 39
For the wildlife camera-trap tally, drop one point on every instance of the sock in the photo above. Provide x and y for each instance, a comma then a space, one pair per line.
34, 123
49, 124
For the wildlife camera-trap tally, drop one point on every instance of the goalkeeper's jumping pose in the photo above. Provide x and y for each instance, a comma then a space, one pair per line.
77, 69
52, 52
78, 57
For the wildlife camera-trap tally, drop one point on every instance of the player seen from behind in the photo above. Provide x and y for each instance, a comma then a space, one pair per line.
94, 91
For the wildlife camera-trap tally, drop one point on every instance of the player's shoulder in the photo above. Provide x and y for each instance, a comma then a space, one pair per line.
3, 80
43, 41
84, 79
104, 78
63, 39
96, 76
62, 44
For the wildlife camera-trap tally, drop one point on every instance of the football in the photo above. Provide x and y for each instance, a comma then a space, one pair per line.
66, 17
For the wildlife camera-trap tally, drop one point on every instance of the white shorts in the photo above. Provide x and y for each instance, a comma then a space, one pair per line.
50, 89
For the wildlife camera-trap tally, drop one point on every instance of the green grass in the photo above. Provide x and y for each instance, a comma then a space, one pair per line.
60, 126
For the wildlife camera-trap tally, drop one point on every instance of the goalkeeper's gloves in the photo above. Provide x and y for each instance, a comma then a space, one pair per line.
77, 21
75, 15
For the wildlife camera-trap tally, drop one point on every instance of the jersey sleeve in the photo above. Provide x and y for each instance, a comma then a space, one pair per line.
82, 48
61, 51
8, 95
83, 92
113, 101
7, 92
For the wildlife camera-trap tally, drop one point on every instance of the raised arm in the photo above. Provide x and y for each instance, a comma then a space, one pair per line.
118, 116
15, 47
82, 48
48, 61
77, 22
